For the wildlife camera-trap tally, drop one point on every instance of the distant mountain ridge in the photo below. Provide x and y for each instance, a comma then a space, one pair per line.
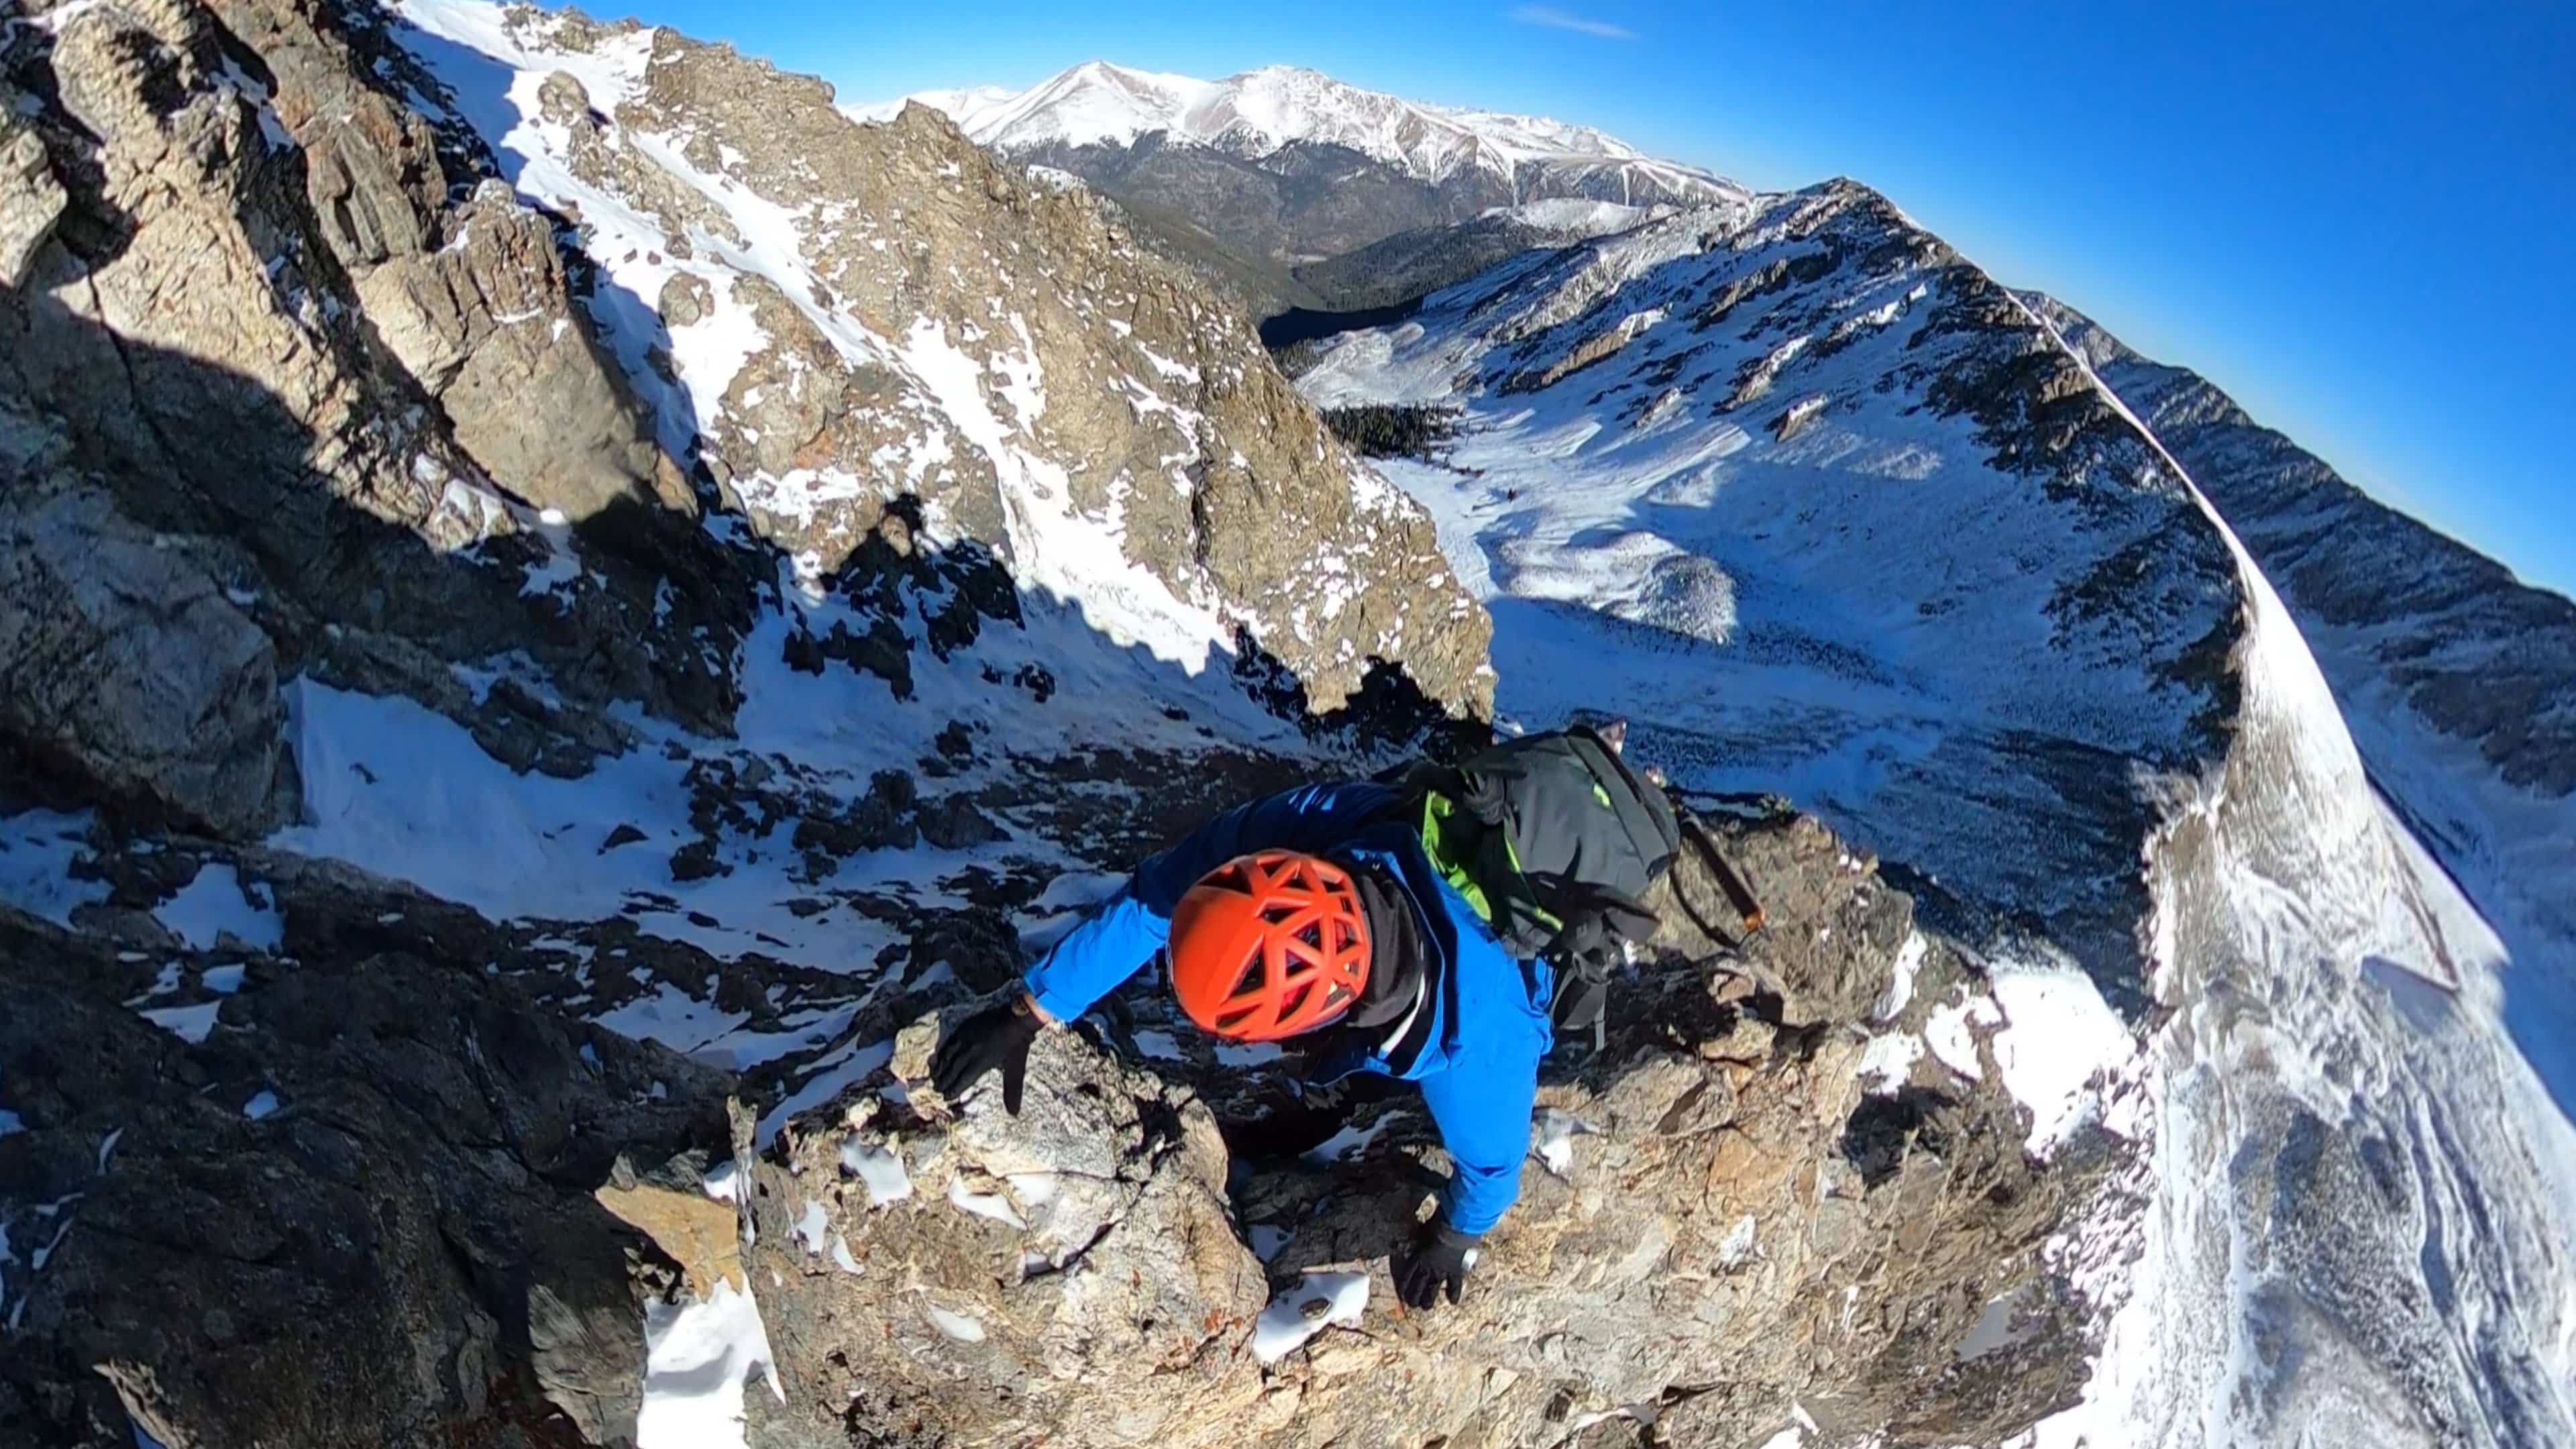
2458, 679
1260, 179
1261, 112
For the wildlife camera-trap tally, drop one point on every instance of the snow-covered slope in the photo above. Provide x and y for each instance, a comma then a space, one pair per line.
1825, 510
2458, 681
2352, 1208
1257, 113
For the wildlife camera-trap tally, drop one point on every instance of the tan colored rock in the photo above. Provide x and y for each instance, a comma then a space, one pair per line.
487, 326
30, 198
686, 300
702, 1235
198, 326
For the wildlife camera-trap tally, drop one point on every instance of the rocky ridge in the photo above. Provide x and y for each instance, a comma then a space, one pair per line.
2459, 680
1717, 1166
1832, 512
1709, 429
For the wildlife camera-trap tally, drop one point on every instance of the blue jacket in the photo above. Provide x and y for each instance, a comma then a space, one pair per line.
1479, 1068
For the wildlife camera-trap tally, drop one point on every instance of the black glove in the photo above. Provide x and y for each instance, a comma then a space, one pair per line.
996, 1037
1436, 1263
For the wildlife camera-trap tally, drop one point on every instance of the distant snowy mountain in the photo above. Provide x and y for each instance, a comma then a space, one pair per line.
1264, 181
1262, 112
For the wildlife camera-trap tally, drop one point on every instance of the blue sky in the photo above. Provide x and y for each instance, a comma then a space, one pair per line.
2358, 219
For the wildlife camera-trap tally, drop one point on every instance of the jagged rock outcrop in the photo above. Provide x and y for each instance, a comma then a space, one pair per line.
890, 311
485, 324
123, 664
192, 333
355, 1203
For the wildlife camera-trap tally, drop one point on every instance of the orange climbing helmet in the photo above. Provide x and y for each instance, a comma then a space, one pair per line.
1268, 945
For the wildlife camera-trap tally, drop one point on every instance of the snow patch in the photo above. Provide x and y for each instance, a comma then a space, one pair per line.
217, 902
723, 1181
813, 1227
985, 1205
190, 1024
1889, 1060
955, 1325
1736, 1248
1949, 1033
37, 851
1351, 1141
879, 1169
1900, 986
696, 1359
1556, 1133
2060, 1039
1315, 1302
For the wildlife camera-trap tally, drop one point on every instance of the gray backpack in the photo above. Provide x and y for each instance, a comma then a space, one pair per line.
1555, 841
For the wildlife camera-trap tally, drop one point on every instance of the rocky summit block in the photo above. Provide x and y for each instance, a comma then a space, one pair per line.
1719, 1227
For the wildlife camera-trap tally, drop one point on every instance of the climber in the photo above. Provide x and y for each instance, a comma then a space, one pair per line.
1398, 928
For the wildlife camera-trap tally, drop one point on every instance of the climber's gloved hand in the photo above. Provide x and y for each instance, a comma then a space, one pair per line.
997, 1037
1436, 1263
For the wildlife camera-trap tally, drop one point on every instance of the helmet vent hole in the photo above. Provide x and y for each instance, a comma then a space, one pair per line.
1248, 977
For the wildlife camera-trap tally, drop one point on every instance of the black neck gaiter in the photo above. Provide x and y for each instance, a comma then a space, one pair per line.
1396, 956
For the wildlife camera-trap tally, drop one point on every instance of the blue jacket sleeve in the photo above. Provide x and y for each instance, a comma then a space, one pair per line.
1126, 930
1481, 1105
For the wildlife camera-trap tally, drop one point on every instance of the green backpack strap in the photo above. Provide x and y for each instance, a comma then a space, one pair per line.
1478, 861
